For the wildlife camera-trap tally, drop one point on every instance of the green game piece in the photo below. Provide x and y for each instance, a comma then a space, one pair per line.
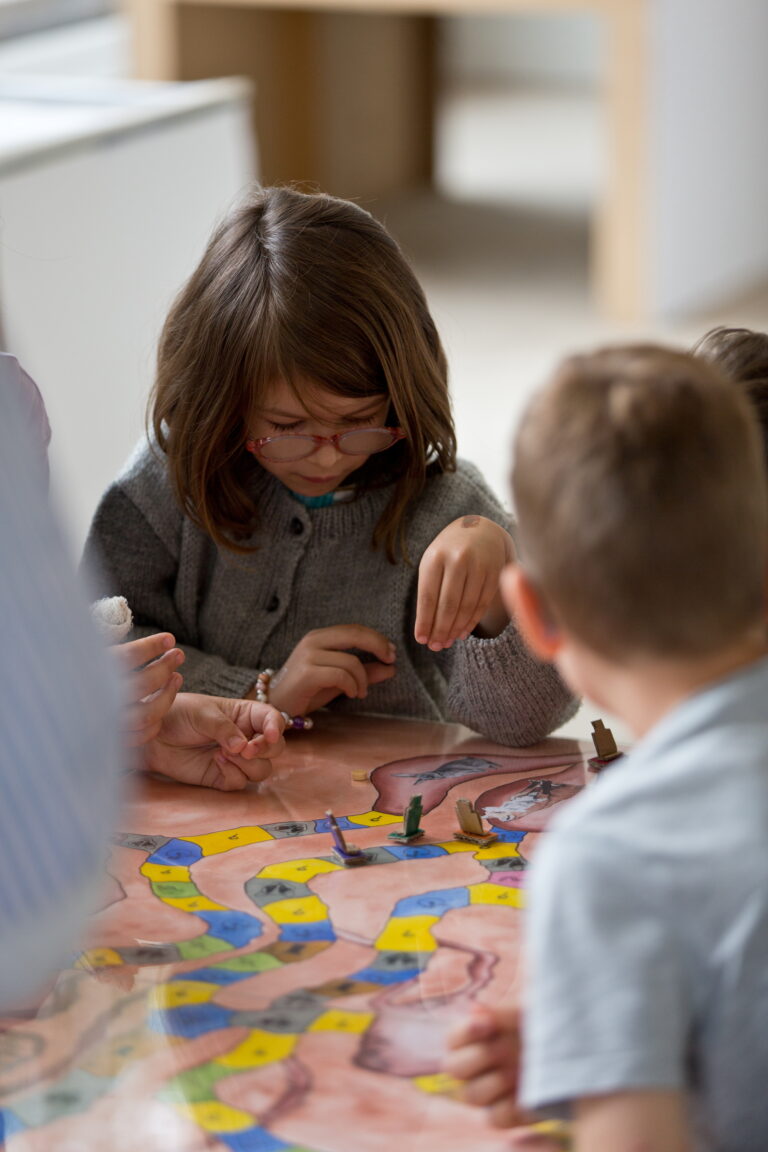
411, 817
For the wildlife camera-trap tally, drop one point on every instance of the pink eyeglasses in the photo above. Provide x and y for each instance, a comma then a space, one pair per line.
297, 445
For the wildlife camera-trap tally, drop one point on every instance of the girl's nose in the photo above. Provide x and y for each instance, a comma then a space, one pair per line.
326, 455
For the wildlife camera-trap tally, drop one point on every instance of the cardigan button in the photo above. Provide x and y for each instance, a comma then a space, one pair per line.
274, 603
297, 526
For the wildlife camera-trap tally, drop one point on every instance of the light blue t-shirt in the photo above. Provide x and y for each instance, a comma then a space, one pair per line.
648, 924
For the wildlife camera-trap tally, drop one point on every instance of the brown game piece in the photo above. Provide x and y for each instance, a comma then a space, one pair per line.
471, 825
605, 746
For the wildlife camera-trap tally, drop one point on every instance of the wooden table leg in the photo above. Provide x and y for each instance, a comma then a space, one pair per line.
620, 243
154, 38
375, 103
343, 101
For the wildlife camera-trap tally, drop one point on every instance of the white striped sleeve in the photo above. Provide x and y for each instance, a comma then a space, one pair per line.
59, 745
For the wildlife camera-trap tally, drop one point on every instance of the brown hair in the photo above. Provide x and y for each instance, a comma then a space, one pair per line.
641, 496
301, 287
742, 355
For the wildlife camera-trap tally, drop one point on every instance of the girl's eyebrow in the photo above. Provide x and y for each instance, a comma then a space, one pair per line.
306, 416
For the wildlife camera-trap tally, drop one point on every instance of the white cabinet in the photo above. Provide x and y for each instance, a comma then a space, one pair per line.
107, 197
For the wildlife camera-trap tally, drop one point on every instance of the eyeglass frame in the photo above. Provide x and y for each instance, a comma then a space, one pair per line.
254, 445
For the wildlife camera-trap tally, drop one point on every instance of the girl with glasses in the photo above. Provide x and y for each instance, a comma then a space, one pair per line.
299, 521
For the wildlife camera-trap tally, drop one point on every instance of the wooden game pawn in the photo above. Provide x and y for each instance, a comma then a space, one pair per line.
471, 825
605, 747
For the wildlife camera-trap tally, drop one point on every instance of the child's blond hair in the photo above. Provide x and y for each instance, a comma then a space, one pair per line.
641, 498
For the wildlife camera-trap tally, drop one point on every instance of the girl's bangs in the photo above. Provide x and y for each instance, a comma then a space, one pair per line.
307, 370
308, 378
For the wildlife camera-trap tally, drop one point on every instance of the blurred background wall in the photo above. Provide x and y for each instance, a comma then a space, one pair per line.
108, 188
532, 50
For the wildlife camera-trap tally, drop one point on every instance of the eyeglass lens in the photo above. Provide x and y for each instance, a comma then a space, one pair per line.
359, 442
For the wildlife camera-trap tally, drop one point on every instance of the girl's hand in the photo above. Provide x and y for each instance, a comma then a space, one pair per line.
153, 688
459, 582
216, 742
320, 668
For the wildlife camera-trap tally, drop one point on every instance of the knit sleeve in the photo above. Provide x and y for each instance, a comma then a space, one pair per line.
127, 556
498, 688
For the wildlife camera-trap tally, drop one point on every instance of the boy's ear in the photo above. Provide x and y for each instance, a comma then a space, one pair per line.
523, 600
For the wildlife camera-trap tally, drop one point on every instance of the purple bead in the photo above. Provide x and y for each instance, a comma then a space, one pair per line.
297, 722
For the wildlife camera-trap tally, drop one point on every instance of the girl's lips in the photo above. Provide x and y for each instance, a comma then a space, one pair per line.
321, 479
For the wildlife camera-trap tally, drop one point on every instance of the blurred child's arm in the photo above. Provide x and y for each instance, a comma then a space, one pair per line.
219, 743
632, 1121
149, 666
484, 1053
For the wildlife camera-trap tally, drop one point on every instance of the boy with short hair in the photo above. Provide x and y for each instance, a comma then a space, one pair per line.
640, 491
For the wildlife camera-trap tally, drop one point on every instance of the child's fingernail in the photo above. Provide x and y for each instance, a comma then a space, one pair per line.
392, 651
168, 642
235, 742
420, 638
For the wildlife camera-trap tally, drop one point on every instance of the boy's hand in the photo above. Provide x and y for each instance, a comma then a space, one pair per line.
153, 688
485, 1054
320, 668
548, 1136
459, 582
216, 742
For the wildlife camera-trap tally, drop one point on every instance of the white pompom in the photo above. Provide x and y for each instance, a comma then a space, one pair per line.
113, 618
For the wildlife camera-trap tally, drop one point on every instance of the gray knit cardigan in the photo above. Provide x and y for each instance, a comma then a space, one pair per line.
234, 615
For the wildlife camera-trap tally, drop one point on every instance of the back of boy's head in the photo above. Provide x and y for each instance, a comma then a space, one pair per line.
640, 491
741, 354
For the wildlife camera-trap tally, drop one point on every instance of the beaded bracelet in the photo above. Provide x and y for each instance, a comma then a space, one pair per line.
297, 722
263, 681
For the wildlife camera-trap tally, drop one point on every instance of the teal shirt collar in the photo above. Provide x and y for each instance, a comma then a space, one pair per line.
315, 501
341, 496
